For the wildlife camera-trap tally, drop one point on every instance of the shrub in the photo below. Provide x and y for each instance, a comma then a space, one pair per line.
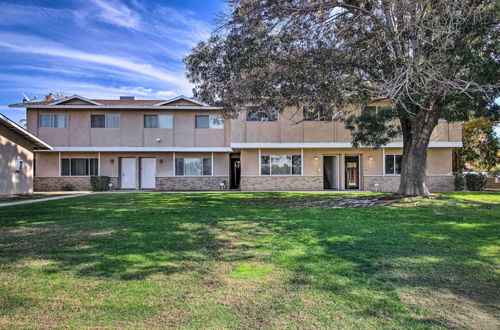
99, 183
475, 182
459, 181
67, 187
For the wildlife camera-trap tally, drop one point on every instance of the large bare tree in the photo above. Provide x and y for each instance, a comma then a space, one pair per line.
431, 58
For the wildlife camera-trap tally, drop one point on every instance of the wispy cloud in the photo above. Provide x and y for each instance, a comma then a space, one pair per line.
116, 12
98, 48
122, 63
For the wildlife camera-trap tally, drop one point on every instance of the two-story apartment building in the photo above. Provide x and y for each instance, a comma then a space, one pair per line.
184, 144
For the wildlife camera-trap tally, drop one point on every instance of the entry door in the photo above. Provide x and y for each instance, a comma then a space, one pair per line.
148, 173
352, 172
331, 172
128, 173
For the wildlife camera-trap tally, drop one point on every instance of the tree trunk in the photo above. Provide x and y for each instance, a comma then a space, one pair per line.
416, 136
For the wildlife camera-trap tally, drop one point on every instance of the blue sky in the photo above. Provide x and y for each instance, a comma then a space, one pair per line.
98, 48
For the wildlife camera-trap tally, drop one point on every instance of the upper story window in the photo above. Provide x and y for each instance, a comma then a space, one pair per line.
281, 165
209, 121
393, 164
158, 121
193, 166
79, 166
105, 121
53, 120
316, 113
259, 114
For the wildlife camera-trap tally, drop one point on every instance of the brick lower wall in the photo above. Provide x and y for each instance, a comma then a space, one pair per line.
391, 183
190, 183
57, 183
281, 183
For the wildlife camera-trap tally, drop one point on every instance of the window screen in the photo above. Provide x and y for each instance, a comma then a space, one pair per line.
113, 121
260, 114
150, 121
97, 121
202, 121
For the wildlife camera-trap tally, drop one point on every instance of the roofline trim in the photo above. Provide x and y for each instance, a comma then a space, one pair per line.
139, 149
21, 131
75, 96
123, 107
182, 97
317, 145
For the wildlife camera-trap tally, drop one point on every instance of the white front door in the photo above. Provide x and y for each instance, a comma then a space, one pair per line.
148, 173
128, 173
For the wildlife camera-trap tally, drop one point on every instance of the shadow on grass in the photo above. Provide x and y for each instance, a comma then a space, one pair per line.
359, 255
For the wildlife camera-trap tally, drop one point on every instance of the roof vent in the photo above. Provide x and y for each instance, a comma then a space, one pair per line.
127, 98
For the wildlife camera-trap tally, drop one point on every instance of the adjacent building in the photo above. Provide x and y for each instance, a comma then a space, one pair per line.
16, 157
184, 144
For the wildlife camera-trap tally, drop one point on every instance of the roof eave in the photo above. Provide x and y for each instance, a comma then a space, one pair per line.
24, 133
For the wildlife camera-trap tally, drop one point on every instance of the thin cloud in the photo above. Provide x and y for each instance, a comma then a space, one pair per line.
140, 68
117, 13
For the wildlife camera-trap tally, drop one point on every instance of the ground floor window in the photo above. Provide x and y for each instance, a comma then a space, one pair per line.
281, 165
79, 166
393, 164
193, 166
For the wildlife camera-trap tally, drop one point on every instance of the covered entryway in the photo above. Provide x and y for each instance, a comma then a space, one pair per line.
128, 173
351, 172
234, 171
331, 172
148, 173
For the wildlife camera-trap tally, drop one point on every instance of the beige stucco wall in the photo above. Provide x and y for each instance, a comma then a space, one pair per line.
438, 163
131, 132
290, 128
47, 163
13, 148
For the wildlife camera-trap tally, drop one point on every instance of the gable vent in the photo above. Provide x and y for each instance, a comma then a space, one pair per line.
127, 98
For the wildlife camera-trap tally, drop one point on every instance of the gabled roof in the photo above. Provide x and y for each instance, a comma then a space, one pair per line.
75, 97
180, 102
24, 133
182, 97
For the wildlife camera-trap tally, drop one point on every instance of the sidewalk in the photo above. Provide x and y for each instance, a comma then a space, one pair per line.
43, 199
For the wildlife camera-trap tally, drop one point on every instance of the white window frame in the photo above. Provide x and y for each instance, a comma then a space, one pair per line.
291, 167
79, 176
106, 115
270, 111
394, 163
212, 122
199, 158
318, 119
52, 120
159, 121
19, 165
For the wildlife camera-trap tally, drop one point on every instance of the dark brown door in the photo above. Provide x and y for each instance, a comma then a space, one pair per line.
235, 174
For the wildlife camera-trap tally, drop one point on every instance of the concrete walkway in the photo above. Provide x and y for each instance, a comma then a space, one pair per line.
44, 199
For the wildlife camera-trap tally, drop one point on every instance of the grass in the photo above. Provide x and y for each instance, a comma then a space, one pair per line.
249, 261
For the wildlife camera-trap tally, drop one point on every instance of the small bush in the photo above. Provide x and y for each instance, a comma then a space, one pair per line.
67, 187
459, 181
99, 183
475, 182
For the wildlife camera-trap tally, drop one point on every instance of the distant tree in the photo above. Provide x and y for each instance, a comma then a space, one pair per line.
481, 144
431, 58
49, 97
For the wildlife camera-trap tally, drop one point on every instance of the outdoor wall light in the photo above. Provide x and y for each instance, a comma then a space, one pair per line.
111, 160
370, 158
316, 157
161, 161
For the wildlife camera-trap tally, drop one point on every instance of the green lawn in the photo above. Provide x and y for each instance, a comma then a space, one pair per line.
223, 260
